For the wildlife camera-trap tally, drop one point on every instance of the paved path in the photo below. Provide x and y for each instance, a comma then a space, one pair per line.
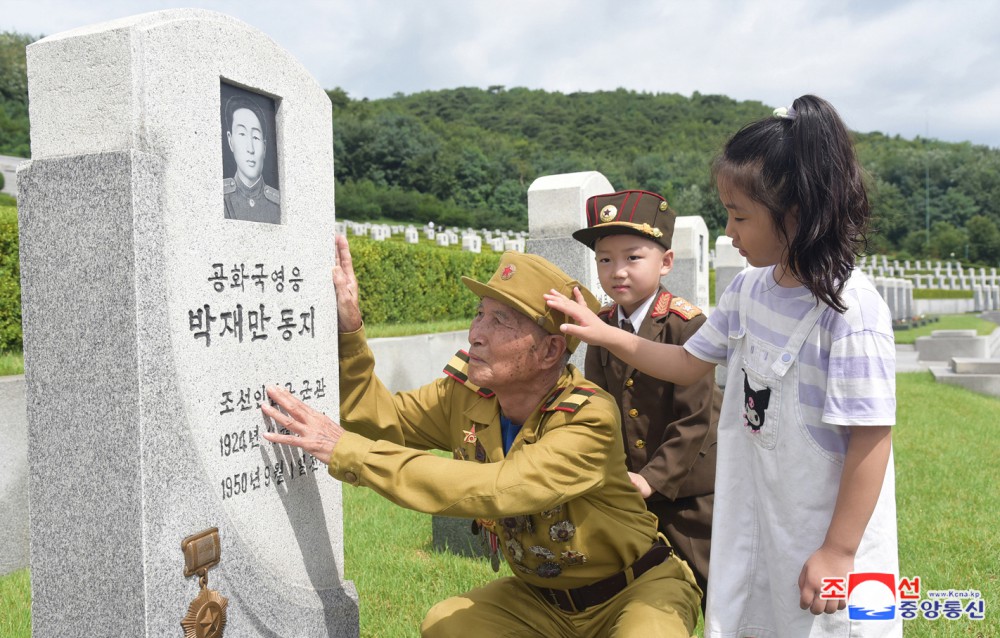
906, 359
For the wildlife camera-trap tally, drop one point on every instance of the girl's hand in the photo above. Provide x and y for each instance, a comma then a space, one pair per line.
588, 327
640, 483
825, 562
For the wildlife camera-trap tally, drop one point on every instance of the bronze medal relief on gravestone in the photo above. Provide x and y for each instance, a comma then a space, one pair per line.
206, 617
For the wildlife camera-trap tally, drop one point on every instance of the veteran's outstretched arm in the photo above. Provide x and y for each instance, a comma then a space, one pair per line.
312, 431
346, 284
664, 361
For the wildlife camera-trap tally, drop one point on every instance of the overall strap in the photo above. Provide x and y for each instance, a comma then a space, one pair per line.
791, 349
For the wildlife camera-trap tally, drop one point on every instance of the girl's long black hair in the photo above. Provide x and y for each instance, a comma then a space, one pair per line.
803, 163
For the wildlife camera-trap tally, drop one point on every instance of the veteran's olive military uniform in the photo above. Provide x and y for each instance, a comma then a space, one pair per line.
560, 504
669, 431
257, 203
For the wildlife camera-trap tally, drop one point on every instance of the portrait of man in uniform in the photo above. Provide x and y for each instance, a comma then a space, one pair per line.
249, 159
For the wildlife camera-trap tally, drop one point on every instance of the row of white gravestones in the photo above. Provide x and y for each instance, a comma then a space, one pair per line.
930, 274
471, 240
898, 295
160, 296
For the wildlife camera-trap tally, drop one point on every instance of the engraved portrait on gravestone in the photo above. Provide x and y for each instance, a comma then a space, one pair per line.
249, 156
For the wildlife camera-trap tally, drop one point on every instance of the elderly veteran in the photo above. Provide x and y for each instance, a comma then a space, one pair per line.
538, 462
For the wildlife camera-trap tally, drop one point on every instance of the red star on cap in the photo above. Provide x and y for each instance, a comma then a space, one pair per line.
507, 272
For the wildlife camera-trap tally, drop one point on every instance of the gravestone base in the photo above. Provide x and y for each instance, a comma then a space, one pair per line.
455, 535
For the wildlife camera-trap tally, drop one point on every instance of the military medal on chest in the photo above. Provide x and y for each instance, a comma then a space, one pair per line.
206, 617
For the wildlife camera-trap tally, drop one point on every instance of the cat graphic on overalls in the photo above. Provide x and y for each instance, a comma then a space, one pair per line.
754, 404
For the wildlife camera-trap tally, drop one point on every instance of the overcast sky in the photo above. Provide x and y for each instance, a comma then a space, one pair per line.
907, 67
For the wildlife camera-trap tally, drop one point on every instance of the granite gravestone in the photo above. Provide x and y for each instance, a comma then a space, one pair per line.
556, 206
689, 276
152, 324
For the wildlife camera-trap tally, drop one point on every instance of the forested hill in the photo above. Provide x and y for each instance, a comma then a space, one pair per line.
467, 156
481, 149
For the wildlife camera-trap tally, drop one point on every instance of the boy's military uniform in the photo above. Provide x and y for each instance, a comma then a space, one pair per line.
669, 431
558, 506
257, 203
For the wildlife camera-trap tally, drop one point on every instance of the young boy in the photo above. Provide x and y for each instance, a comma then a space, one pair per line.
669, 431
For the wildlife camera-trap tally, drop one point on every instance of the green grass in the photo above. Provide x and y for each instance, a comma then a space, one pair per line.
11, 363
947, 322
376, 331
389, 555
946, 489
947, 497
15, 605
938, 293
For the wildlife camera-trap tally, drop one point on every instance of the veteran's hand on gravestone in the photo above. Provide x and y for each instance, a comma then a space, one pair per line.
312, 431
346, 287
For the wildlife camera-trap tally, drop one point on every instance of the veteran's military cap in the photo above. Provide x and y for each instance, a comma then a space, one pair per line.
521, 280
628, 213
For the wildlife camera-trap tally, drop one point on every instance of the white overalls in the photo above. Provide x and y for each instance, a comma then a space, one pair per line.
775, 494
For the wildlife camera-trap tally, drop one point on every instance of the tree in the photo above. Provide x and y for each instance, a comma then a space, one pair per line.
14, 94
984, 240
948, 241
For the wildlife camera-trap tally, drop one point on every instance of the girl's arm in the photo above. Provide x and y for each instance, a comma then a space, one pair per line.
864, 470
664, 361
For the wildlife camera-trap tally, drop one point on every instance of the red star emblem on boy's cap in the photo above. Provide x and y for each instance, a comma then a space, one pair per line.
507, 272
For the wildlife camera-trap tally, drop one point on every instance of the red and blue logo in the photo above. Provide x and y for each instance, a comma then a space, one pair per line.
871, 596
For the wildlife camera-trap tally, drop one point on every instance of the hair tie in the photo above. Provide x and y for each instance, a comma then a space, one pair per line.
784, 113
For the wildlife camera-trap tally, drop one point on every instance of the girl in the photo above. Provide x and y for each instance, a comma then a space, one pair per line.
805, 486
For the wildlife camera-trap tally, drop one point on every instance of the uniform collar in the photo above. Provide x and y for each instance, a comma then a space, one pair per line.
249, 191
637, 317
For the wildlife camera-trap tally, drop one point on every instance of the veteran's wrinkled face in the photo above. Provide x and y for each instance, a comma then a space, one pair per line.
246, 141
505, 347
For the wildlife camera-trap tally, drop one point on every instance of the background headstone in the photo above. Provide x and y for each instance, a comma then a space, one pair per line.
472, 243
728, 263
151, 325
689, 277
555, 210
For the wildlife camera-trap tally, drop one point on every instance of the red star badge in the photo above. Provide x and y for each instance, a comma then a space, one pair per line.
470, 435
508, 272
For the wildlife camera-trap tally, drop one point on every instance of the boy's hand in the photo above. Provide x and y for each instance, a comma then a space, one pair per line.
824, 563
588, 327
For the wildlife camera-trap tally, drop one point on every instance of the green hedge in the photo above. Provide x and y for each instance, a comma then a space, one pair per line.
10, 282
938, 293
406, 283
